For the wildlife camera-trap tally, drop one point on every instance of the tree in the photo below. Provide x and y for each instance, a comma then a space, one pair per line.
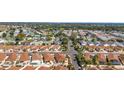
64, 47
4, 35
43, 44
109, 63
94, 40
49, 38
64, 41
95, 60
75, 41
85, 65
20, 36
61, 29
11, 34
88, 62
74, 35
12, 28
83, 48
80, 59
70, 66
21, 31
17, 40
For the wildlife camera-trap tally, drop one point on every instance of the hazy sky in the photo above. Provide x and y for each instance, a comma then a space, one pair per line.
62, 10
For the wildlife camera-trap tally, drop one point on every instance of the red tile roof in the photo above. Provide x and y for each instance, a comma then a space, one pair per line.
44, 68
35, 47
12, 57
36, 56
48, 57
87, 56
24, 56
60, 68
113, 57
60, 57
2, 68
2, 56
101, 57
29, 68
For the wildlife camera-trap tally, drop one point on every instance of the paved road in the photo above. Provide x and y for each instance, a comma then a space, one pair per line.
72, 54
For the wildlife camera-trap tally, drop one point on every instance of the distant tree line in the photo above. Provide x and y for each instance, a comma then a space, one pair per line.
67, 26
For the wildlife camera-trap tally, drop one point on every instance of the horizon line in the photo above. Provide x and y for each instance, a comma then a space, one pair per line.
69, 22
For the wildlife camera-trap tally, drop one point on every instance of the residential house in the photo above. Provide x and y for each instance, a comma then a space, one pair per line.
2, 57
11, 60
102, 59
24, 59
60, 58
87, 56
48, 58
36, 59
113, 58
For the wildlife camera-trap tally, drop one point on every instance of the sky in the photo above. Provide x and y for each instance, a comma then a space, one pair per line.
61, 11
